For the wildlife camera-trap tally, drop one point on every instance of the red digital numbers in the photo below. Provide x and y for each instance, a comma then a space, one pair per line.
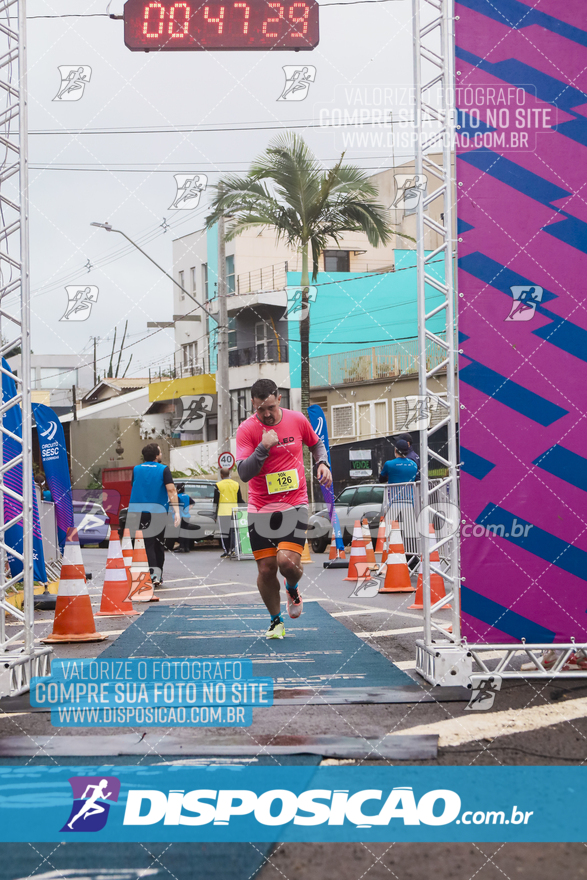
228, 24
247, 9
272, 20
301, 19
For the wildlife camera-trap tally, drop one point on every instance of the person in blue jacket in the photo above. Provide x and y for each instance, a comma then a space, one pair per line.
400, 469
153, 491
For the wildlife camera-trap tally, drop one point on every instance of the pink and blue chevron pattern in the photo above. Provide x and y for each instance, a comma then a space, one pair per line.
521, 72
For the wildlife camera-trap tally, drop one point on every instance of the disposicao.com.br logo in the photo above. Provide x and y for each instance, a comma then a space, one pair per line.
90, 808
364, 809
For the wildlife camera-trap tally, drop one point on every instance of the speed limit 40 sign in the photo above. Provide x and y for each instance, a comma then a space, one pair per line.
226, 460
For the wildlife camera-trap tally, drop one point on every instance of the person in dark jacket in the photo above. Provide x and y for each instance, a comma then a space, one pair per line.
153, 491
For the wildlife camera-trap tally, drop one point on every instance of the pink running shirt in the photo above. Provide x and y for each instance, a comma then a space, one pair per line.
293, 431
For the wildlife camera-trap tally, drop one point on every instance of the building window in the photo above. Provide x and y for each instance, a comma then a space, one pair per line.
205, 280
343, 420
189, 355
337, 261
241, 408
230, 274
231, 333
193, 279
181, 280
57, 377
408, 412
261, 342
372, 418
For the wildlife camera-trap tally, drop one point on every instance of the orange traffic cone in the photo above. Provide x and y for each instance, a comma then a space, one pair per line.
437, 590
115, 591
141, 584
380, 544
397, 574
368, 544
306, 558
358, 553
74, 620
127, 553
385, 553
334, 552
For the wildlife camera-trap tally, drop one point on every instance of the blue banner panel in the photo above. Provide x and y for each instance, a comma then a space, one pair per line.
296, 803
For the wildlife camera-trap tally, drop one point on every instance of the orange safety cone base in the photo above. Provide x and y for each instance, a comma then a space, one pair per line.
75, 612
306, 558
437, 591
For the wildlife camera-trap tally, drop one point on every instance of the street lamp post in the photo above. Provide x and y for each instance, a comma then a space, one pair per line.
222, 328
222, 381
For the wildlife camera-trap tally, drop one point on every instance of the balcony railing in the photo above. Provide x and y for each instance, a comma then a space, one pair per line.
379, 362
242, 357
268, 278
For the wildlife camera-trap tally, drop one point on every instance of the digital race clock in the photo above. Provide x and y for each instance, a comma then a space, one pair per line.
229, 24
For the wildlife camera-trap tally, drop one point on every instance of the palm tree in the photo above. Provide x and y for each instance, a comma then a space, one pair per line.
287, 189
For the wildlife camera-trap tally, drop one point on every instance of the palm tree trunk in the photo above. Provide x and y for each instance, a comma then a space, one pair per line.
305, 354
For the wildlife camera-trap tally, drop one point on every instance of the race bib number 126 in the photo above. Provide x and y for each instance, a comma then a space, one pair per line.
283, 481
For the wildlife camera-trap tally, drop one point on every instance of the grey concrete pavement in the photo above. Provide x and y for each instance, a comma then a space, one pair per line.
386, 623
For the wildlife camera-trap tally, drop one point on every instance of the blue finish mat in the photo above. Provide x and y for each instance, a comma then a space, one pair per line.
317, 650
132, 861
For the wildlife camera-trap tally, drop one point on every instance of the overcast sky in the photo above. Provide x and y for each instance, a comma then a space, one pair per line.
362, 47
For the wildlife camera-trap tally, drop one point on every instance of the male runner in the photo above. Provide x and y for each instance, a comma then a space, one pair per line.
269, 457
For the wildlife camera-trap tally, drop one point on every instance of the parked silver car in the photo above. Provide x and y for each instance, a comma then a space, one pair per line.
354, 502
202, 521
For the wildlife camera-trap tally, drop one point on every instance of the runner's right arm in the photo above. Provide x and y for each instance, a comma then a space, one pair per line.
249, 467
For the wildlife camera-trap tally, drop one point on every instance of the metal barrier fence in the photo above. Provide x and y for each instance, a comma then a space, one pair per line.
401, 502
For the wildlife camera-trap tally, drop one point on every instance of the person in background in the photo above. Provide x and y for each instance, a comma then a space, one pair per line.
411, 452
153, 490
400, 469
184, 509
227, 496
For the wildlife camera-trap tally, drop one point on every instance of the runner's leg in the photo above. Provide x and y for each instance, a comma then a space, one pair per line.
268, 584
290, 566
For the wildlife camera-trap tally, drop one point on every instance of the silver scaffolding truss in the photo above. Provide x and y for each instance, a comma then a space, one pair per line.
434, 93
19, 658
443, 658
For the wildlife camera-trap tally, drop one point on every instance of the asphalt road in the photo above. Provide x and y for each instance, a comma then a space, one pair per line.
532, 723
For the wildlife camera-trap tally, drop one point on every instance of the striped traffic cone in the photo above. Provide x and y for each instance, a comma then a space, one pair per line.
141, 584
372, 562
397, 574
358, 553
335, 553
306, 558
74, 620
380, 543
127, 553
437, 590
115, 591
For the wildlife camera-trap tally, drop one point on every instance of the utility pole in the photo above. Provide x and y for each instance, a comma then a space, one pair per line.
222, 386
95, 338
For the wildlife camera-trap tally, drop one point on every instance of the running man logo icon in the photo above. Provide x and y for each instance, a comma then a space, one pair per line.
409, 189
296, 309
483, 692
90, 808
50, 432
195, 410
189, 188
73, 82
526, 298
297, 82
80, 300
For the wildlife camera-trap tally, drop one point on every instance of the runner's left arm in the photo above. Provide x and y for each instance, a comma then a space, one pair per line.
319, 453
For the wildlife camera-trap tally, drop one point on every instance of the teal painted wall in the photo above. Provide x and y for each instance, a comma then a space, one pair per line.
357, 312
